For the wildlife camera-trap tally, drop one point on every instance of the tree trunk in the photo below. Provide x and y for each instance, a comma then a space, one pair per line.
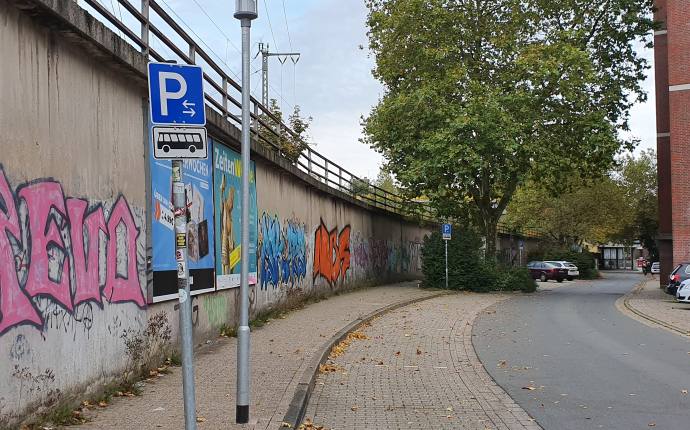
490, 236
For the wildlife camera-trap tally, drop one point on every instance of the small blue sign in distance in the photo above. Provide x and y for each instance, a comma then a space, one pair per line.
176, 94
447, 231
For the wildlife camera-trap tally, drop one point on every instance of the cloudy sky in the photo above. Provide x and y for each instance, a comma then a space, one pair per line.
332, 81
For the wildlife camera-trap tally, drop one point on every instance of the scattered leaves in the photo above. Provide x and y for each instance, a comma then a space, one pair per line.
309, 425
102, 404
329, 368
341, 347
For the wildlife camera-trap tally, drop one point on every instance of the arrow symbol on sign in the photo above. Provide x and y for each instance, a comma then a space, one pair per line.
190, 111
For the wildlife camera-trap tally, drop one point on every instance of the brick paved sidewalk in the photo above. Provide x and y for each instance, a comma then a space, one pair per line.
416, 370
653, 302
281, 350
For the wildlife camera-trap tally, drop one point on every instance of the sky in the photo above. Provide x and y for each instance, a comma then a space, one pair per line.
332, 81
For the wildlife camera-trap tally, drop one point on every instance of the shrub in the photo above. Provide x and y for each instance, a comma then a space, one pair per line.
516, 279
467, 269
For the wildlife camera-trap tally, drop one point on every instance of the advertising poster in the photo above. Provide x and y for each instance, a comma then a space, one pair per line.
197, 176
227, 187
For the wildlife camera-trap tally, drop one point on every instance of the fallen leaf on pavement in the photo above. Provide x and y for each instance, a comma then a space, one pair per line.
419, 351
529, 387
652, 424
102, 404
285, 425
200, 419
354, 408
397, 353
684, 391
327, 367
502, 364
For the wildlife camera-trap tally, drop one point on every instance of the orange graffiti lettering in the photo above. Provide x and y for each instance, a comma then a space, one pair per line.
331, 253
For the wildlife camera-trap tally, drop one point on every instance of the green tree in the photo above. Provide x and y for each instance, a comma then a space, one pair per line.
620, 207
637, 177
385, 181
290, 145
483, 95
587, 212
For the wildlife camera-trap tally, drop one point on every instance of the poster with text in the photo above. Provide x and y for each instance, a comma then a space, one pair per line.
227, 186
198, 180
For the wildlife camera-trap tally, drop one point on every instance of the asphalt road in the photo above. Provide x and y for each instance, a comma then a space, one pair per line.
591, 367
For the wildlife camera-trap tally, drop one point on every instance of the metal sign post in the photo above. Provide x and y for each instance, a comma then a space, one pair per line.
176, 106
245, 11
180, 211
447, 231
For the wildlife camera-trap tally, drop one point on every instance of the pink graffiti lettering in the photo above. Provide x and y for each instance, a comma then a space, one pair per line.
85, 261
15, 306
58, 255
123, 289
46, 205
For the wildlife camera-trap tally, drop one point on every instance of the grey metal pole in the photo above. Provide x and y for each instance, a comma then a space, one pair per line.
180, 206
246, 10
446, 263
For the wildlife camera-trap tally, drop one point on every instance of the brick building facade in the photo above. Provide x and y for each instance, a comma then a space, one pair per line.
672, 65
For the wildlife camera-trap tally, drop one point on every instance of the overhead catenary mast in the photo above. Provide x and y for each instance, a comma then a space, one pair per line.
265, 54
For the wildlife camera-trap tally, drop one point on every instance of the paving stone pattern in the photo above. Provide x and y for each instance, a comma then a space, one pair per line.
280, 351
654, 302
416, 370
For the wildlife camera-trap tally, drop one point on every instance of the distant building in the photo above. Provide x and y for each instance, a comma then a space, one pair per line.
614, 256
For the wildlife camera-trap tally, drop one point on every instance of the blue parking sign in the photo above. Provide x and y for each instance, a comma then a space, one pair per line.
176, 94
447, 231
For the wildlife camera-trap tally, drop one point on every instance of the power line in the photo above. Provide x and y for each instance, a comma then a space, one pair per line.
270, 26
286, 25
218, 27
218, 57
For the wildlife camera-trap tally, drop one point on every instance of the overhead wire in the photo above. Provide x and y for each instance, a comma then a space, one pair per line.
268, 17
287, 27
294, 64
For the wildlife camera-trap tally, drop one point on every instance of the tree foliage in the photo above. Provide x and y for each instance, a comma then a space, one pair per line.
619, 207
484, 95
290, 145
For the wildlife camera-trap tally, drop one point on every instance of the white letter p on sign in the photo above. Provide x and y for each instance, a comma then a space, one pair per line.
163, 77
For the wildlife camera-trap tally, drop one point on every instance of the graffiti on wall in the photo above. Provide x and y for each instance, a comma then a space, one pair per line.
282, 252
331, 253
379, 256
60, 249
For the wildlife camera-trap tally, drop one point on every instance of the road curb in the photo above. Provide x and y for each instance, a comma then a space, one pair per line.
298, 406
631, 308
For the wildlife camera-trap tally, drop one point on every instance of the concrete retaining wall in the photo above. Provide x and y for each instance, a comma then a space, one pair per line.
75, 279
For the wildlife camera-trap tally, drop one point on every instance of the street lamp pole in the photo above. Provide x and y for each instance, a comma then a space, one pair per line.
245, 11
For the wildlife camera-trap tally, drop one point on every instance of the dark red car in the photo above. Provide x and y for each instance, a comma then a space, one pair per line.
545, 271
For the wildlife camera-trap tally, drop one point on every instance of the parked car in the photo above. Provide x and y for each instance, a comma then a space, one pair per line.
683, 293
544, 271
679, 274
573, 271
656, 268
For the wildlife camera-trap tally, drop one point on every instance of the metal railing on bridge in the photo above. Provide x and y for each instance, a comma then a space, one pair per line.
148, 22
